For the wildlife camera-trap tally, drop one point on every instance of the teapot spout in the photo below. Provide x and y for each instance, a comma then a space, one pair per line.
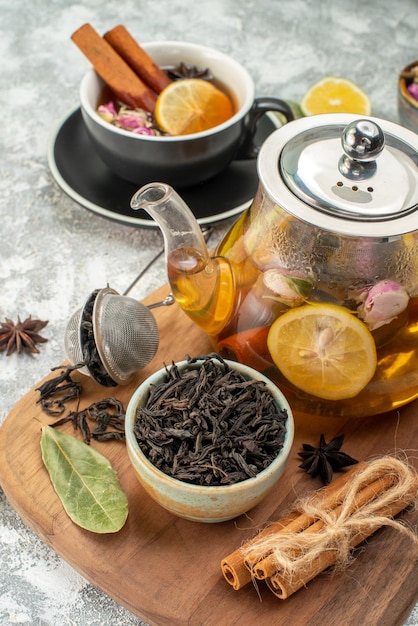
202, 285
175, 219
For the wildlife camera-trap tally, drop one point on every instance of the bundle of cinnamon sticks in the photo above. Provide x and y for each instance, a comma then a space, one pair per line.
123, 64
321, 531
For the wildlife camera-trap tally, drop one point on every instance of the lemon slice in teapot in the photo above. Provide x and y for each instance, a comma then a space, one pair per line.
324, 350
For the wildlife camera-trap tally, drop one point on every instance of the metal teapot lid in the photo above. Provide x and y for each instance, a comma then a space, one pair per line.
344, 174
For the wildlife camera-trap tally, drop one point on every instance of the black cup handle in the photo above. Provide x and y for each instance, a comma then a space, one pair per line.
248, 149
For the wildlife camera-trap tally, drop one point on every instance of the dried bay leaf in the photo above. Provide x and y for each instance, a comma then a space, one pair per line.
85, 482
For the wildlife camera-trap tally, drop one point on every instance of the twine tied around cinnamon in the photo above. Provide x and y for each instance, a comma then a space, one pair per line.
323, 529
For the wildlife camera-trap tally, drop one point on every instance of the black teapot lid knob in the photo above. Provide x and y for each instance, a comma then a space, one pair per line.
363, 140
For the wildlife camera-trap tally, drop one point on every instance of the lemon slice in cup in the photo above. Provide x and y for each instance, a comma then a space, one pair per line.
324, 350
191, 105
335, 95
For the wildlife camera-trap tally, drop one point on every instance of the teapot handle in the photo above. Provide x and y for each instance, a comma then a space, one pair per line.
248, 149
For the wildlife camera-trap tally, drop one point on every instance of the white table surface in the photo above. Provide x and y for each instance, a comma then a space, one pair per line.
54, 252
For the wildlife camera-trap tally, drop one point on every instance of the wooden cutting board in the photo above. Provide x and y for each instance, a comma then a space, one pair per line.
167, 570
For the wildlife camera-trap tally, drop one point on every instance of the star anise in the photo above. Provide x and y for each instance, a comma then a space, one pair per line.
325, 459
189, 71
21, 337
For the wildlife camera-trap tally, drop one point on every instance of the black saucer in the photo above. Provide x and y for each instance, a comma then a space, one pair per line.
81, 173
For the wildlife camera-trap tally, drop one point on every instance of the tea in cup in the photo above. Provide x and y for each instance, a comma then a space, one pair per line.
182, 160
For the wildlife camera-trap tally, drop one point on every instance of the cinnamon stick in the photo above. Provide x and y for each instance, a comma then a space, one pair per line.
328, 526
267, 567
234, 569
117, 74
283, 587
238, 571
136, 57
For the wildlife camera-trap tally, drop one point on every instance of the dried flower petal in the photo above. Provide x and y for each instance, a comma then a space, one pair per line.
107, 111
143, 130
129, 121
137, 120
290, 288
413, 90
383, 303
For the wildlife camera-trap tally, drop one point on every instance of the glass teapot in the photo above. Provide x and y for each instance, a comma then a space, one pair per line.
316, 283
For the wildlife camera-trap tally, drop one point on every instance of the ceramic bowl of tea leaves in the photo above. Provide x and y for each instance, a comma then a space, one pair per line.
208, 438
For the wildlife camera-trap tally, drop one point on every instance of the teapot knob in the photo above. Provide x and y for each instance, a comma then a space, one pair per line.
363, 140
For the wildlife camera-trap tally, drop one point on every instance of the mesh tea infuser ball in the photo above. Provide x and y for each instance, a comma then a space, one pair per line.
111, 336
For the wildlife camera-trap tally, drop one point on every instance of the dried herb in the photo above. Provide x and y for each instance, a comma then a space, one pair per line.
210, 425
182, 70
107, 413
55, 392
88, 345
85, 482
325, 459
21, 337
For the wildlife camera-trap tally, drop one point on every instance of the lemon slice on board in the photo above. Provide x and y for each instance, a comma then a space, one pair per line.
324, 350
335, 95
191, 105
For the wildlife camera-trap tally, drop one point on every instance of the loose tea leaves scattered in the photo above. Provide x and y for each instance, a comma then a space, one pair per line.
325, 459
210, 425
21, 337
55, 392
108, 413
85, 482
